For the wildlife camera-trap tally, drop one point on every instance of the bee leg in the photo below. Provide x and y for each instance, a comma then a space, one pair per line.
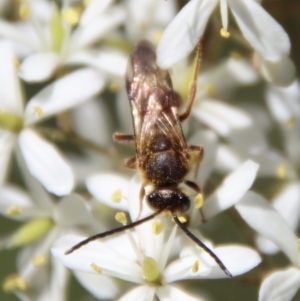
130, 163
123, 138
142, 194
193, 85
197, 153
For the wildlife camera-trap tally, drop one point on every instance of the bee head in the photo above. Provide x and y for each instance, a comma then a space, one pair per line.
170, 199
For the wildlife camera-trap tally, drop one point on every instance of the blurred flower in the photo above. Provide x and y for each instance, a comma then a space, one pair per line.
257, 26
17, 123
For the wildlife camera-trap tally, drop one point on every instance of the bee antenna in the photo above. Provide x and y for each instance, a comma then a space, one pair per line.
111, 232
201, 244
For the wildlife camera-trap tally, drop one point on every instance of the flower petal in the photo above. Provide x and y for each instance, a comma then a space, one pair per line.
280, 286
268, 222
46, 163
99, 254
65, 93
184, 32
7, 143
10, 89
109, 288
167, 292
231, 190
260, 29
79, 215
39, 67
140, 293
110, 189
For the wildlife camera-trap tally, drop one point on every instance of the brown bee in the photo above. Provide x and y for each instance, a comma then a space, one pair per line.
162, 155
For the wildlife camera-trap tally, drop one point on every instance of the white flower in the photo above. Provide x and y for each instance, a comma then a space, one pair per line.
45, 220
257, 26
267, 221
52, 43
42, 159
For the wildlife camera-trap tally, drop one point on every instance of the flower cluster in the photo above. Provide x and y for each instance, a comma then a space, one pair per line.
62, 178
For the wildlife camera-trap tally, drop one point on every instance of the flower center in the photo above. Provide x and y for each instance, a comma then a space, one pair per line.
150, 270
10, 122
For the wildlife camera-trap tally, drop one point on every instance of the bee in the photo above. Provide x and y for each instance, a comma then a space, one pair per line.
162, 155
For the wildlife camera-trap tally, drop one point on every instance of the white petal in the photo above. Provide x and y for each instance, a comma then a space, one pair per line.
184, 32
101, 287
265, 245
231, 190
280, 73
92, 121
96, 29
65, 93
260, 29
39, 67
46, 163
286, 202
103, 186
78, 216
280, 286
267, 221
10, 89
232, 123
93, 10
140, 293
98, 253
167, 293
7, 143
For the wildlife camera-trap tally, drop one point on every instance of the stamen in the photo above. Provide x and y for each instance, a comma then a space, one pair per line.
39, 260
224, 33
224, 14
72, 14
56, 29
157, 36
10, 122
195, 267
182, 219
39, 111
117, 196
14, 210
114, 87
16, 62
121, 218
157, 227
209, 89
150, 269
281, 171
299, 244
199, 200
96, 268
13, 282
290, 123
24, 11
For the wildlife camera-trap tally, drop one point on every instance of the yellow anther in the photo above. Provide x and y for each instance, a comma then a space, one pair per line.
157, 227
224, 33
16, 62
299, 244
56, 29
198, 200
281, 171
290, 123
150, 269
14, 210
14, 282
72, 14
195, 267
87, 2
96, 268
209, 89
24, 11
235, 55
117, 196
39, 260
121, 218
182, 219
39, 111
10, 122
157, 36
114, 87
